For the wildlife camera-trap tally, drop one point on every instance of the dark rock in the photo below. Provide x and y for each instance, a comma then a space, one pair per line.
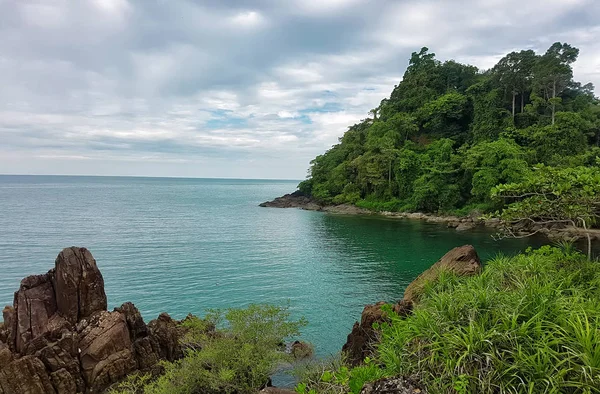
166, 332
296, 199
25, 375
360, 342
397, 385
79, 285
63, 355
135, 322
301, 350
462, 261
64, 382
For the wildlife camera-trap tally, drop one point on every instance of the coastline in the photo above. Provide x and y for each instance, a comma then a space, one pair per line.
460, 223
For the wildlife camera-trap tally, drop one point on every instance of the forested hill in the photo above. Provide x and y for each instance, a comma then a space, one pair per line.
449, 133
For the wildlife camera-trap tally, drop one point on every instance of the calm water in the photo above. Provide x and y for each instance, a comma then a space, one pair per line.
186, 245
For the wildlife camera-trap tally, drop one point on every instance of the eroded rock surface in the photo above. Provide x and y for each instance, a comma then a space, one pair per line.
58, 336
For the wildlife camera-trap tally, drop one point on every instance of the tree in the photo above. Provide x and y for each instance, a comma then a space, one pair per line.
514, 73
550, 196
553, 72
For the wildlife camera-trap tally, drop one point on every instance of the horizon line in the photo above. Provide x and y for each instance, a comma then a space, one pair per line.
157, 177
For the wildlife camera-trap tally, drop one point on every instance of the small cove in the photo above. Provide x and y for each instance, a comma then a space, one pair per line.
186, 245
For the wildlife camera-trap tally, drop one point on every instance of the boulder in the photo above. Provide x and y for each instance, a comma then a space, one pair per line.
465, 226
79, 285
462, 261
301, 350
105, 350
398, 385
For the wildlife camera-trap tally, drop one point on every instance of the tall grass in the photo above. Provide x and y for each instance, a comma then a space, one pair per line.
527, 324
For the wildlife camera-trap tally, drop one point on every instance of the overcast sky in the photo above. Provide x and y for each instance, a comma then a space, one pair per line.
245, 89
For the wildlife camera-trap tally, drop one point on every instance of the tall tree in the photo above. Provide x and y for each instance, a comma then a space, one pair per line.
553, 72
514, 73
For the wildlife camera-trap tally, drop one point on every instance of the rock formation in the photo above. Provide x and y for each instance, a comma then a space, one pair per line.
58, 336
462, 261
362, 340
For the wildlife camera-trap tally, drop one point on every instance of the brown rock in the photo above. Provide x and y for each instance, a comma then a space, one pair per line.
6, 356
465, 226
397, 385
462, 261
34, 307
301, 350
26, 375
296, 199
79, 285
64, 383
165, 331
360, 342
134, 319
275, 390
105, 350
63, 355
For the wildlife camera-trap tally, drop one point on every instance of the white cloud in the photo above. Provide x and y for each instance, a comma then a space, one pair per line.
204, 89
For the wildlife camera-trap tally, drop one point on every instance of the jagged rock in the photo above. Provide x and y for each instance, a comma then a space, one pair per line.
6, 356
296, 199
397, 385
25, 375
58, 336
462, 261
79, 285
360, 341
165, 331
105, 350
35, 306
63, 356
64, 382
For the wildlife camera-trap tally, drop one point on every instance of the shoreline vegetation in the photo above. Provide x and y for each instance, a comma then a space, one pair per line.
517, 145
558, 232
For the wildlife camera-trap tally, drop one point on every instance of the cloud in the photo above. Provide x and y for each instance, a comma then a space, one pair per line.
235, 88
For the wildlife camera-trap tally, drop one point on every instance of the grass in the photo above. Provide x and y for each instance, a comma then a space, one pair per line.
527, 324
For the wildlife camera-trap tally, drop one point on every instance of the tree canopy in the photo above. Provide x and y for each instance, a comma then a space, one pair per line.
449, 133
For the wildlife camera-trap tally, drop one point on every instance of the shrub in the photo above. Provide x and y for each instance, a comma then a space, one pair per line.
237, 358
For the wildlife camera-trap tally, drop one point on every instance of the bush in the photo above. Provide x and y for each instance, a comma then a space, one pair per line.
237, 358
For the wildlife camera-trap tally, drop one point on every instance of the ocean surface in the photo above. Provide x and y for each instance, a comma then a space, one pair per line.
187, 245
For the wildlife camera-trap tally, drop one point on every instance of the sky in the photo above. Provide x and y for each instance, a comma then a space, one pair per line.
235, 88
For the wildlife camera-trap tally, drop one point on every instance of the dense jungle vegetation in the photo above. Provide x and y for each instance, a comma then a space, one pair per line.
449, 133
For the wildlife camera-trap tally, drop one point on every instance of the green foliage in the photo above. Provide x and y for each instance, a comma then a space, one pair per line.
448, 134
237, 358
527, 324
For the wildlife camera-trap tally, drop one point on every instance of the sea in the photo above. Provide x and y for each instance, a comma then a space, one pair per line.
188, 245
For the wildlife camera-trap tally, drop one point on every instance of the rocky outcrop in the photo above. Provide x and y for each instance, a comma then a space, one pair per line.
296, 199
363, 338
397, 385
462, 261
361, 342
58, 336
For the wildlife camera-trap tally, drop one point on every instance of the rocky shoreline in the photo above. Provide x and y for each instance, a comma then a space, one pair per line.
557, 232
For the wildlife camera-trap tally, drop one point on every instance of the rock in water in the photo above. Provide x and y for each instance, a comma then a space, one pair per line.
58, 336
462, 261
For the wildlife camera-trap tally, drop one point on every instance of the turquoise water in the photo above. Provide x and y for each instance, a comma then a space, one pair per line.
186, 245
